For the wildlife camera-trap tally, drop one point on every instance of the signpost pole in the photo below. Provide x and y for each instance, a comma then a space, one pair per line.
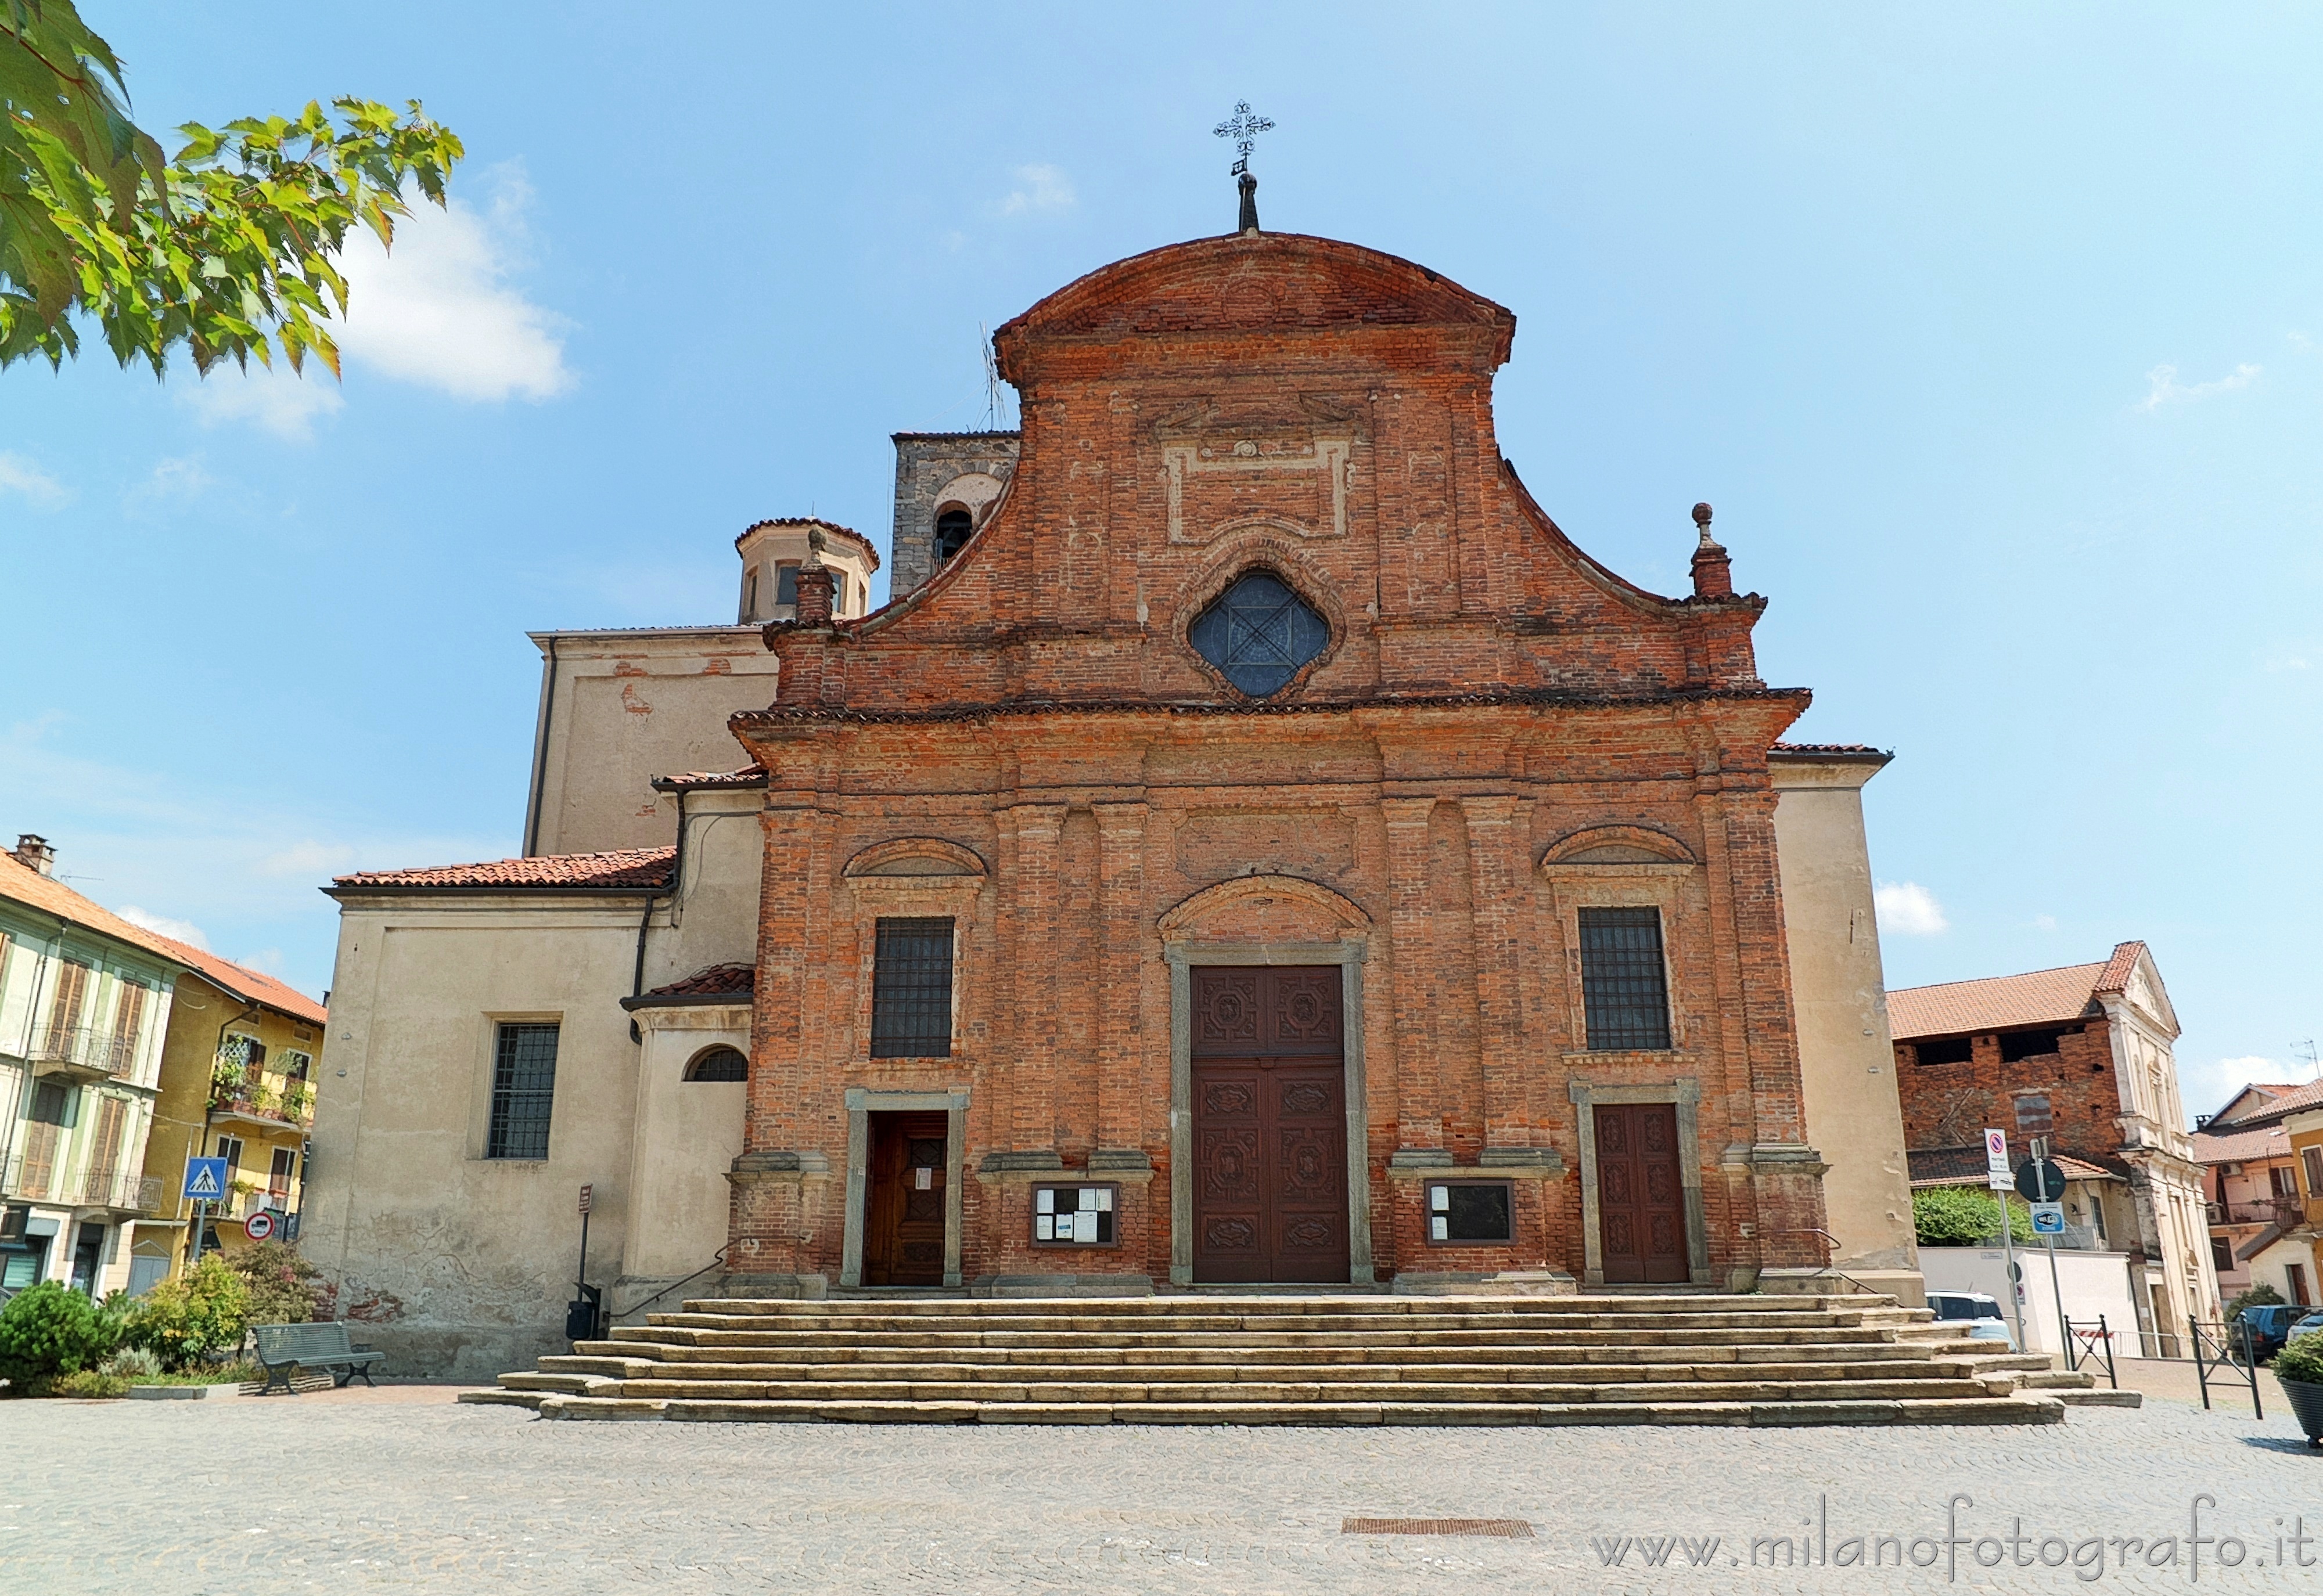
1996, 1174
2040, 1155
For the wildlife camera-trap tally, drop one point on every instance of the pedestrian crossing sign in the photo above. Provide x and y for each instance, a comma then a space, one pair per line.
206, 1178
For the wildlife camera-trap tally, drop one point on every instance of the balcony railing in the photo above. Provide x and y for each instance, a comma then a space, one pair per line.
285, 1108
89, 1049
122, 1189
2286, 1210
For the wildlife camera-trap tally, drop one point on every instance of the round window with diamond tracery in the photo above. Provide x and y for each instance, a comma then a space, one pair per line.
1260, 633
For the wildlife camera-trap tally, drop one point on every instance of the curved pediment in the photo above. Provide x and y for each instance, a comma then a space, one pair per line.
915, 856
1251, 282
1264, 908
1617, 845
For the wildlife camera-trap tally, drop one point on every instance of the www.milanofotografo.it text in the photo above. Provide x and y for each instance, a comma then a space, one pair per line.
1970, 1543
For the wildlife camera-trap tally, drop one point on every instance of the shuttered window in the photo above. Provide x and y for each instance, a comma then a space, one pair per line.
524, 1086
2312, 1157
911, 989
1624, 991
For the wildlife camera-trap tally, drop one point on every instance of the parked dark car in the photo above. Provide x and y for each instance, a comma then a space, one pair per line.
2270, 1326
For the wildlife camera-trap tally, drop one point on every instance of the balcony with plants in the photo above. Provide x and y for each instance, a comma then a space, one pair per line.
243, 1090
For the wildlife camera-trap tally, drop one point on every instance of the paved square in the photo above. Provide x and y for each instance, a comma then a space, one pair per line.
399, 1489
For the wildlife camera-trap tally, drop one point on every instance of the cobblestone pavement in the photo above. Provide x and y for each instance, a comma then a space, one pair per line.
399, 1489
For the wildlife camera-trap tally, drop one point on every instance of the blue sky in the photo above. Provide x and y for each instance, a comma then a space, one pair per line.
1995, 334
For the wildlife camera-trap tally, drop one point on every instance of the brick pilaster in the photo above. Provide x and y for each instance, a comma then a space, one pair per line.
1496, 866
1032, 1059
1419, 1113
1121, 901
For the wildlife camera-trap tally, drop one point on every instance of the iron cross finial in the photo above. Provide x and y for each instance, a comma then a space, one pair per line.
1242, 128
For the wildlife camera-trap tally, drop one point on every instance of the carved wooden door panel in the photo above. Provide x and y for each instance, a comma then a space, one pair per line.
904, 1207
1640, 1197
1270, 1111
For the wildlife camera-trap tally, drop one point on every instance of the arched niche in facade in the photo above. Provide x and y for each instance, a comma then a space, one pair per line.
1618, 845
915, 856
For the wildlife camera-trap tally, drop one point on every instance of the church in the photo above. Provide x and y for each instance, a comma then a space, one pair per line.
1255, 845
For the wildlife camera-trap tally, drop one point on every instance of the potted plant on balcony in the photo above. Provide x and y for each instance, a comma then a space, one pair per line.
2300, 1368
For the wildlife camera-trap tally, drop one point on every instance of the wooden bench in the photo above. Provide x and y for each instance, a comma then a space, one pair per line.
284, 1348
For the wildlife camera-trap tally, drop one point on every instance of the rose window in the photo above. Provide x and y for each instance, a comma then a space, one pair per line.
1259, 634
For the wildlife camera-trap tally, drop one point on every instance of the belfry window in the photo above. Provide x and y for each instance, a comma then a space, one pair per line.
1260, 633
1624, 989
911, 989
953, 528
787, 584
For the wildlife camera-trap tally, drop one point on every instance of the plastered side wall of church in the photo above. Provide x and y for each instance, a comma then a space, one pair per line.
1846, 1063
619, 709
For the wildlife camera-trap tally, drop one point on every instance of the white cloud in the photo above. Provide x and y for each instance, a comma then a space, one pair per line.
2163, 388
278, 400
175, 479
309, 859
20, 475
266, 960
437, 310
185, 931
1039, 189
2205, 1088
1908, 909
2046, 922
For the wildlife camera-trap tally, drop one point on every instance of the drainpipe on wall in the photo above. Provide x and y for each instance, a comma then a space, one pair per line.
540, 755
677, 884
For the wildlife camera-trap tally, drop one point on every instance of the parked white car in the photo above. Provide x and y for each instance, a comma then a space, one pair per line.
1981, 1314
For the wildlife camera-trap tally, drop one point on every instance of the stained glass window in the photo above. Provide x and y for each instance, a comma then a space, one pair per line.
1259, 634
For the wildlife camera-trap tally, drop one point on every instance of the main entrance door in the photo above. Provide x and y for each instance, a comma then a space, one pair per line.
904, 1200
1640, 1199
1270, 1172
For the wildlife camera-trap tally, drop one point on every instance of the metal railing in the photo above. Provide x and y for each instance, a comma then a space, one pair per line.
2279, 1211
2085, 1344
2226, 1350
86, 1047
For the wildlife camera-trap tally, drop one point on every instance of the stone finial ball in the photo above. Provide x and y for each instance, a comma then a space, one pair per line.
1701, 515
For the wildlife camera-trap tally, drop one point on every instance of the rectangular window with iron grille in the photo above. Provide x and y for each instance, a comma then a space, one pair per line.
524, 1084
1624, 990
911, 989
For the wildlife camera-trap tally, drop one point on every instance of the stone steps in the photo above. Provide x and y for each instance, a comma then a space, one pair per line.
1691, 1359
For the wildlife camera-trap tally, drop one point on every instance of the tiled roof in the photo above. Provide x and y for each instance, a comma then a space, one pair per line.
863, 545
717, 983
1831, 750
2287, 1103
707, 781
2242, 1147
2118, 969
249, 985
1965, 1166
28, 886
1992, 1002
625, 867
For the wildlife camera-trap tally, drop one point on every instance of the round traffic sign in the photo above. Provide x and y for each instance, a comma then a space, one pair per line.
259, 1225
2040, 1180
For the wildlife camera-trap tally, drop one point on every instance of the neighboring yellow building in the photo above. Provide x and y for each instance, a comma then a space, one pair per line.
237, 1082
2306, 1128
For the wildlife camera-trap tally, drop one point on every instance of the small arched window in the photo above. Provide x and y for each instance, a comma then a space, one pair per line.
953, 530
719, 1064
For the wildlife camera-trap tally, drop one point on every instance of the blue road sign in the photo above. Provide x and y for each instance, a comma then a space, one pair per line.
206, 1178
2048, 1219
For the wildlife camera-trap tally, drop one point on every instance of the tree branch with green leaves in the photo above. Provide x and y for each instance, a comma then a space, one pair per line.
229, 248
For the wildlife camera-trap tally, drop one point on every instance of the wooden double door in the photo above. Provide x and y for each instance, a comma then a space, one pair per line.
1640, 1194
1269, 1112
904, 1206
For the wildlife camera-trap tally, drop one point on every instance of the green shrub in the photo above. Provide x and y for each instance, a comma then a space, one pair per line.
2259, 1296
2302, 1360
52, 1329
280, 1281
1964, 1217
203, 1311
87, 1383
133, 1363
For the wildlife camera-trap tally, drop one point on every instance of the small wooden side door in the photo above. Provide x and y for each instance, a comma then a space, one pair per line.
904, 1200
1640, 1195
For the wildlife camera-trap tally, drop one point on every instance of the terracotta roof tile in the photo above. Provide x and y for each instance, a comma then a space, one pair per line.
1828, 748
45, 892
250, 986
2290, 1102
2120, 967
2241, 1147
622, 867
1995, 1001
717, 980
1964, 1166
703, 781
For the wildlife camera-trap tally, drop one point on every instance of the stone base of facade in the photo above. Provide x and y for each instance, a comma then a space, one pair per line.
1538, 1282
1061, 1286
775, 1287
1907, 1286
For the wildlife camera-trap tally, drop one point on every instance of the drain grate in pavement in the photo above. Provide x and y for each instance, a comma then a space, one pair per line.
1507, 1528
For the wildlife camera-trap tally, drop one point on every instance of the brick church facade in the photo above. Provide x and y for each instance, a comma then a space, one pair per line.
1254, 845
1316, 844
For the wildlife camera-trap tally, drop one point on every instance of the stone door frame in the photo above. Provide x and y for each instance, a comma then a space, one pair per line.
862, 1103
1686, 1095
1182, 957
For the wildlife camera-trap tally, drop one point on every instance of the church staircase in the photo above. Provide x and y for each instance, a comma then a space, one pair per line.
1201, 1359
